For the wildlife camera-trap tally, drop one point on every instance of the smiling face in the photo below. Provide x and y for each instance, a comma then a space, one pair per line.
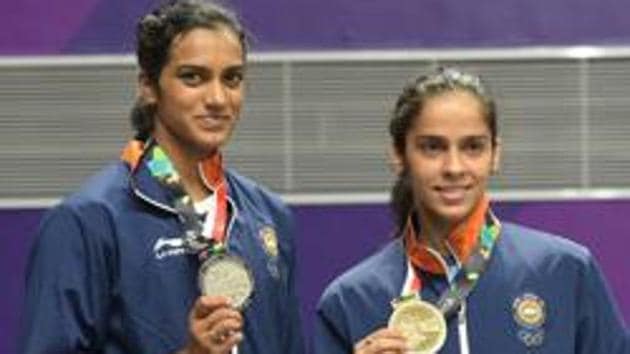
449, 155
198, 96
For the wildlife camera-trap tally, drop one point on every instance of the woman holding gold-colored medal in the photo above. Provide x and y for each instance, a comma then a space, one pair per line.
167, 251
456, 279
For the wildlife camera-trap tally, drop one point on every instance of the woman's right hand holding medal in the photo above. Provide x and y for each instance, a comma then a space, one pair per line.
215, 326
382, 341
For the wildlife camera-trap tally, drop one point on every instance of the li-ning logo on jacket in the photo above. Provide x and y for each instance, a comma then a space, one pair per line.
168, 247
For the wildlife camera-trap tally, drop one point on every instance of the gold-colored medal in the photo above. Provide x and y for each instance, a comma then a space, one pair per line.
421, 323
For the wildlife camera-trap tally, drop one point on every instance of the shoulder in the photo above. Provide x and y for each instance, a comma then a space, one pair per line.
541, 249
535, 241
381, 272
91, 205
359, 300
253, 195
103, 187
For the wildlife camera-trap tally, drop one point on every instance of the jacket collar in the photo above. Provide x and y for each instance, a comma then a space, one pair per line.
461, 242
136, 155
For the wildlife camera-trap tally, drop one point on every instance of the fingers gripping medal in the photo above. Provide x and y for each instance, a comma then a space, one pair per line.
421, 323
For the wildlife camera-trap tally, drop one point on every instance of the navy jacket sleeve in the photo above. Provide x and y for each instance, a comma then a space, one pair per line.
327, 339
600, 327
294, 339
67, 288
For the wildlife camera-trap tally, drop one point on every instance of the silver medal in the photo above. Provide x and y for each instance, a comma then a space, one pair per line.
226, 275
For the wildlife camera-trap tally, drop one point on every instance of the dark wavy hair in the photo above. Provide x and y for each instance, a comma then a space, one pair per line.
155, 33
409, 105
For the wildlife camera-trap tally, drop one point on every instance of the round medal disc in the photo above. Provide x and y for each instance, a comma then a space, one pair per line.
226, 275
421, 323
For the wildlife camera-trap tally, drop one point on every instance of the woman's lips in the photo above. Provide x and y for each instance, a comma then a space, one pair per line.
452, 194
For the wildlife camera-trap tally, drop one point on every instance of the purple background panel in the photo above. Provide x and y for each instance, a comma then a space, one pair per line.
334, 237
41, 27
107, 26
346, 24
17, 228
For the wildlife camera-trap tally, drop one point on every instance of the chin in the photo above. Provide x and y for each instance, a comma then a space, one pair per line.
212, 141
204, 148
454, 215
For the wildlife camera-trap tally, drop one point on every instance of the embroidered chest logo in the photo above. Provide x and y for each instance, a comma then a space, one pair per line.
169, 247
530, 313
269, 241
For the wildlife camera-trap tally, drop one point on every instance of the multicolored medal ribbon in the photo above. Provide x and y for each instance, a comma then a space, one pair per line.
163, 171
471, 271
221, 273
424, 324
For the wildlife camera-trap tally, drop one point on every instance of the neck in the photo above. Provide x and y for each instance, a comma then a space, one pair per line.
187, 166
436, 234
438, 231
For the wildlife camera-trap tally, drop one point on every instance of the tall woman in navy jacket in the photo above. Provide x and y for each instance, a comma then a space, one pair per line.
115, 266
457, 279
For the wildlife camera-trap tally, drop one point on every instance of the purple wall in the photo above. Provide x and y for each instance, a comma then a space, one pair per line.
17, 228
106, 26
332, 238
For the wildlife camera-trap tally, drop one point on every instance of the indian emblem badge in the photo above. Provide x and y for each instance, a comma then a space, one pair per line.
530, 314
